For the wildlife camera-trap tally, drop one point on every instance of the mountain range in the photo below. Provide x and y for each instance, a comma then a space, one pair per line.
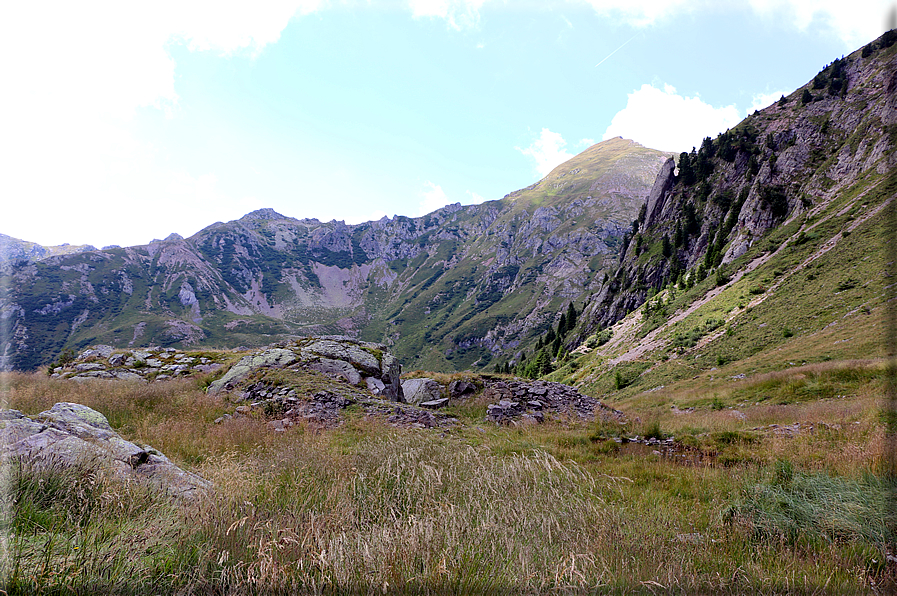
621, 232
452, 289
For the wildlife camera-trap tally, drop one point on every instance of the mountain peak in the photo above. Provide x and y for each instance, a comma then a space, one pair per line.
267, 213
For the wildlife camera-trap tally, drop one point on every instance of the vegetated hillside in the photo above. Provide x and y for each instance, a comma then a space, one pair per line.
447, 290
769, 249
831, 140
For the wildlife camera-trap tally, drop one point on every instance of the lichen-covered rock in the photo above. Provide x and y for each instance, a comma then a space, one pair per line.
350, 352
421, 390
70, 434
337, 368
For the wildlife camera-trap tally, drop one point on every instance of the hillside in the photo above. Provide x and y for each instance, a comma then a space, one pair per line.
780, 260
450, 290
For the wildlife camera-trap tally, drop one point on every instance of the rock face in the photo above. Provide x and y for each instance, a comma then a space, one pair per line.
71, 433
354, 361
527, 401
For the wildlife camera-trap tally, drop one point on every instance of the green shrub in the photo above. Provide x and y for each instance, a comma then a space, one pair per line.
653, 431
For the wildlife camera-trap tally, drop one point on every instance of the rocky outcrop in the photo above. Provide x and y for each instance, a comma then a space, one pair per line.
356, 362
68, 434
143, 364
659, 192
518, 400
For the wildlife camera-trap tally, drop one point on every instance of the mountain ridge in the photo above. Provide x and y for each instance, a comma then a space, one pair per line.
264, 276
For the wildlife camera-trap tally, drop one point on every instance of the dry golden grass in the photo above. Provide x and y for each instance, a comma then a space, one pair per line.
477, 509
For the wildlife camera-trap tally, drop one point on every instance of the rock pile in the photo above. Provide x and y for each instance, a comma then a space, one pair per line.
324, 408
152, 363
69, 434
528, 401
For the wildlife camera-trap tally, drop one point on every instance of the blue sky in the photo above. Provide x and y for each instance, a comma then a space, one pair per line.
125, 123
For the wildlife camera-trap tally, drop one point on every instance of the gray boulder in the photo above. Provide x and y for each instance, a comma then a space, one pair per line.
421, 390
375, 386
391, 375
69, 434
435, 404
339, 368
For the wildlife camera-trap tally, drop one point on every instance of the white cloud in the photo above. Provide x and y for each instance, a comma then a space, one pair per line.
856, 23
458, 14
80, 71
475, 199
641, 13
763, 100
585, 143
433, 198
662, 119
548, 151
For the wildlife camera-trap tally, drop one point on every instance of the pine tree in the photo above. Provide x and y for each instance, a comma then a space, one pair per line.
571, 316
562, 326
543, 363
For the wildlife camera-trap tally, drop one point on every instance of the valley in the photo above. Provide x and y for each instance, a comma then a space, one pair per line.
646, 373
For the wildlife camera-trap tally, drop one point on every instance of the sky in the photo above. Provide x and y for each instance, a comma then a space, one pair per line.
123, 122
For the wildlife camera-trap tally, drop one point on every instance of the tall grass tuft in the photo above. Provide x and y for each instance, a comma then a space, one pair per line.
75, 528
807, 507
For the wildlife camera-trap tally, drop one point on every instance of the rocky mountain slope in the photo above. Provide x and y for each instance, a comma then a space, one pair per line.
773, 251
828, 142
450, 290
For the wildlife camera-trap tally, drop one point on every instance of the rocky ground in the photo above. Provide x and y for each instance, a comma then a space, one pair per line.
351, 372
529, 401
